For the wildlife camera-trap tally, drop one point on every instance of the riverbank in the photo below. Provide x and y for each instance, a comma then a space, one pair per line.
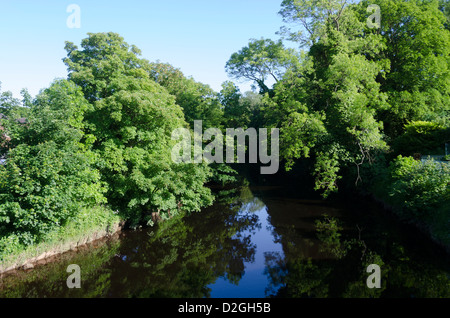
89, 227
106, 223
433, 222
264, 244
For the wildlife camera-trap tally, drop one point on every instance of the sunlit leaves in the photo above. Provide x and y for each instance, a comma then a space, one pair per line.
261, 61
132, 119
50, 177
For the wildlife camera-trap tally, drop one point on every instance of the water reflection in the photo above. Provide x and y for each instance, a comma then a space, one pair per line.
336, 265
179, 258
254, 242
254, 283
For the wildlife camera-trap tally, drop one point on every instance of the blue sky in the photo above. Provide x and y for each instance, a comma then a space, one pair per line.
197, 36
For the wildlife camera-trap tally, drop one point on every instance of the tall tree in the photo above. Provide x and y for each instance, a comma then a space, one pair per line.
132, 119
261, 61
7, 102
312, 16
357, 83
417, 49
327, 107
444, 6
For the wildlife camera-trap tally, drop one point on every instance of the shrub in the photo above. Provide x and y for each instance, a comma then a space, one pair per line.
418, 188
50, 175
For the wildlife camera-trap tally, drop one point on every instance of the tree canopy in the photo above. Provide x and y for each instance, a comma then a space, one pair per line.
132, 120
356, 87
262, 60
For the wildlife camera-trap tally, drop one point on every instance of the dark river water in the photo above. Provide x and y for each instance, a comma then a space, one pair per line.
254, 242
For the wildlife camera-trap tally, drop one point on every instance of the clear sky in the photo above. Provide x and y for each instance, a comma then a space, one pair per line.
197, 36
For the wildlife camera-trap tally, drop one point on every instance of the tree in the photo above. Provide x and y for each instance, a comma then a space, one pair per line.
132, 120
417, 50
7, 102
312, 16
237, 113
358, 83
260, 61
198, 101
50, 174
327, 106
444, 6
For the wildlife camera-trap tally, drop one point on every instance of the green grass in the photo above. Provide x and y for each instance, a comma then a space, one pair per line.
88, 225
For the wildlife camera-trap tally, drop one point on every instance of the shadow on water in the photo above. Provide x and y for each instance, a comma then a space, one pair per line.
264, 241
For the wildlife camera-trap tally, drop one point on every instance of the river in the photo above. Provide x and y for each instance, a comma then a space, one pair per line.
255, 242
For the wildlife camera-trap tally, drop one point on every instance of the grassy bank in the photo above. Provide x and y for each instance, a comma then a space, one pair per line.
88, 226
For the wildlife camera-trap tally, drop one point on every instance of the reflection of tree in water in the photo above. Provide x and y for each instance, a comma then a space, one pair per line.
240, 199
178, 258
295, 278
343, 274
50, 280
183, 256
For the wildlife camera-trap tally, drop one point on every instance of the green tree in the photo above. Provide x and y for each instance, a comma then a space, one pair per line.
327, 106
198, 101
417, 49
13, 107
261, 61
312, 16
50, 174
240, 110
132, 120
7, 103
444, 6
356, 84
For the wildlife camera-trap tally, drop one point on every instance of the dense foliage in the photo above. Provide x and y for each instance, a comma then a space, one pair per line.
101, 137
419, 186
198, 101
132, 119
50, 175
359, 95
348, 102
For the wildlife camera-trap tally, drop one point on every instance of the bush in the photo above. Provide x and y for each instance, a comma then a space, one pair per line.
50, 175
42, 187
419, 188
82, 227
